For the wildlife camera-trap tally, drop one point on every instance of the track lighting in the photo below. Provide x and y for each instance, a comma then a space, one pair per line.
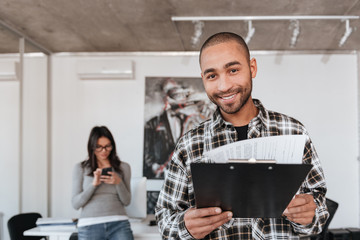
294, 24
198, 30
250, 33
348, 31
295, 27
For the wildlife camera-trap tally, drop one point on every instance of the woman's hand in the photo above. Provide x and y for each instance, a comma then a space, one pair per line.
112, 179
97, 175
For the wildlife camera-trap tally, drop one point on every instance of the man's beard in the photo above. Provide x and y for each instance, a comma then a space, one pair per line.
245, 94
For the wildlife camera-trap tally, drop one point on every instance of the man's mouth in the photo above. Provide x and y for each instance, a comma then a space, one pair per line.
228, 97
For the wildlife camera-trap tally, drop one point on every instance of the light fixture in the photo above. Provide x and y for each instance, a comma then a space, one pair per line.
250, 33
264, 18
198, 30
348, 31
295, 27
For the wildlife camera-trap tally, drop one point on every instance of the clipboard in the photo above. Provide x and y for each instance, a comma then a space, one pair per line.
259, 190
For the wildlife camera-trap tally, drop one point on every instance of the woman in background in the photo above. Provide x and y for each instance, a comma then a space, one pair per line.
102, 193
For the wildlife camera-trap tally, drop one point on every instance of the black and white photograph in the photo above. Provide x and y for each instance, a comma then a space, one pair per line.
173, 106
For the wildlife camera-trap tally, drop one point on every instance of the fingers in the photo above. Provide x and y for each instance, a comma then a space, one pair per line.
204, 212
302, 203
304, 218
210, 225
112, 179
97, 174
107, 179
201, 222
301, 199
301, 209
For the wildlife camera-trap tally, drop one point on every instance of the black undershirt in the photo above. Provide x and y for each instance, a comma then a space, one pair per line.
242, 132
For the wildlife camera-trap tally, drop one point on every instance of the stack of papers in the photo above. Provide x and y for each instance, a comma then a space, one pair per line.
56, 223
286, 149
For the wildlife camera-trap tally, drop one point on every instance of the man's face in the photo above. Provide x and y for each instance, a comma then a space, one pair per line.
227, 75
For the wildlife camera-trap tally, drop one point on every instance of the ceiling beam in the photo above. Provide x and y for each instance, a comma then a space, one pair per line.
250, 18
19, 34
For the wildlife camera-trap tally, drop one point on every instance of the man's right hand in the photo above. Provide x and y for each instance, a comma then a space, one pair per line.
201, 222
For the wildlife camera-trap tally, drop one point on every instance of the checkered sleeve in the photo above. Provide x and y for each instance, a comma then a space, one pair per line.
173, 199
314, 184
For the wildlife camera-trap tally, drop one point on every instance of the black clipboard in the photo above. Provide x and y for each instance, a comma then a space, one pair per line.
249, 190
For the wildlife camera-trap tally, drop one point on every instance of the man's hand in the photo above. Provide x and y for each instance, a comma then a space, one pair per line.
301, 209
201, 222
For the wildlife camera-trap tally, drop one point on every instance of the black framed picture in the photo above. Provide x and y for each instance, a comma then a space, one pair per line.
173, 106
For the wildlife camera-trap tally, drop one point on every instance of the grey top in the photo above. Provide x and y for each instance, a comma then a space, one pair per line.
104, 199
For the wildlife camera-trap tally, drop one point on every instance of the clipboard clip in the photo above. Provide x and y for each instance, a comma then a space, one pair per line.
252, 160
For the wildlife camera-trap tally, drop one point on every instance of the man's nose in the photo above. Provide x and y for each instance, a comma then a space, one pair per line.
224, 83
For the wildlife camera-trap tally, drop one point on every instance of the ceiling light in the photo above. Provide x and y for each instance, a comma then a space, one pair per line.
295, 27
198, 30
250, 33
348, 31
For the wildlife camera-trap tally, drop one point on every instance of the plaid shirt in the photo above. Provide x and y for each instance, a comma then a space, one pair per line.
177, 194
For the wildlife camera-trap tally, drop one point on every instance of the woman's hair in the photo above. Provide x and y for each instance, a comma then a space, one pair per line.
96, 133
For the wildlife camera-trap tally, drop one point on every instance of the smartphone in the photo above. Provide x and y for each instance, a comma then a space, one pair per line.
105, 171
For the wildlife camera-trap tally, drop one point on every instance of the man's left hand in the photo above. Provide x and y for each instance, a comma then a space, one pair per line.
301, 209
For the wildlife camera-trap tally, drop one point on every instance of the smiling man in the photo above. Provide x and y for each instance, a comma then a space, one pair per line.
227, 72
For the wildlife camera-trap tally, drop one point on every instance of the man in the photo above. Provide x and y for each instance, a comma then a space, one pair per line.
227, 74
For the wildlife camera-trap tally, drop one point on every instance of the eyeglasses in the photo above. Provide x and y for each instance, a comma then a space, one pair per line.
100, 148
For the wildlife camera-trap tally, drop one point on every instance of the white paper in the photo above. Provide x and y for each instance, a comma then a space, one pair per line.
283, 149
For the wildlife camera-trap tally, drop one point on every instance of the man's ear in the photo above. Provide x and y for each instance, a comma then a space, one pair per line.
253, 67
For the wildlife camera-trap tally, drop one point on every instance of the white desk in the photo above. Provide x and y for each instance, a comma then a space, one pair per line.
52, 234
141, 231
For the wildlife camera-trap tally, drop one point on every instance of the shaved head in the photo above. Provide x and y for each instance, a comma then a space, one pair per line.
225, 37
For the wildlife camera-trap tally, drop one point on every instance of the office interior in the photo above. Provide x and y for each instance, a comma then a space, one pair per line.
48, 107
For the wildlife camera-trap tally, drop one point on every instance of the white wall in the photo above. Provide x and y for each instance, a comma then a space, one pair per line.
9, 148
320, 91
31, 194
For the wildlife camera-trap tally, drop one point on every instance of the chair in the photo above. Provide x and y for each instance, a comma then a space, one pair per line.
332, 207
20, 223
74, 236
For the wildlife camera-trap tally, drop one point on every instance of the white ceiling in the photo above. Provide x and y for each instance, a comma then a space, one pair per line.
146, 25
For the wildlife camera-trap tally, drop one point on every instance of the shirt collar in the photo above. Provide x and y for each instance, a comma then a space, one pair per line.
218, 122
261, 121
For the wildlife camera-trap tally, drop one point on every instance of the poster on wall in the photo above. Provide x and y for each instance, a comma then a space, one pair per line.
173, 106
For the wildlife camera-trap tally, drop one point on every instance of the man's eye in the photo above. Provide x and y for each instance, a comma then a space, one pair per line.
233, 70
211, 76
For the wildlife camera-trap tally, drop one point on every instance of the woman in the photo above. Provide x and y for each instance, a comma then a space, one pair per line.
102, 196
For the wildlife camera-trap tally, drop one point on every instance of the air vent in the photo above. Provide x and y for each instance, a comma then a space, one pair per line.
102, 69
8, 70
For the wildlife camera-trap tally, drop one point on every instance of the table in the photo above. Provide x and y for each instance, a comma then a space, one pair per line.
141, 231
